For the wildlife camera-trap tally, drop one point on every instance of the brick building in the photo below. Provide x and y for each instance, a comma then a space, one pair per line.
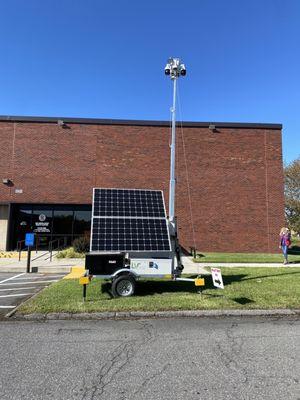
229, 177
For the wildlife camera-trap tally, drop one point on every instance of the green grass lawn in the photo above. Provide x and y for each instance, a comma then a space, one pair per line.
245, 288
245, 257
294, 256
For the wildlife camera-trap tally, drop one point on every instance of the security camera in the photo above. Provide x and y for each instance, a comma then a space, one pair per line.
167, 69
174, 68
182, 70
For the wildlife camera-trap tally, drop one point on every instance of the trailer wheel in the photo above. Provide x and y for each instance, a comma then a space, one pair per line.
123, 286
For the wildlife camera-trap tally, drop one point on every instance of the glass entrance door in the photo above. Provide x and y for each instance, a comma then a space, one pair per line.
42, 221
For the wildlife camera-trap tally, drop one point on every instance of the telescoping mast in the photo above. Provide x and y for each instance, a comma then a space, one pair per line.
131, 235
174, 68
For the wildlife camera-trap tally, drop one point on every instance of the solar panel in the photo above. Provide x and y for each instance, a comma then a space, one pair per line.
128, 203
130, 234
129, 220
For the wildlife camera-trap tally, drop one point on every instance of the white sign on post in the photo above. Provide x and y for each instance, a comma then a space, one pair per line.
217, 278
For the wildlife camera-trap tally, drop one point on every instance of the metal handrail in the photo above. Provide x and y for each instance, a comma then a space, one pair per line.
193, 252
36, 243
50, 247
18, 243
19, 247
40, 256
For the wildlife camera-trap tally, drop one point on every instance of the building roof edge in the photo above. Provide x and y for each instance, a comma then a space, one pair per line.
98, 121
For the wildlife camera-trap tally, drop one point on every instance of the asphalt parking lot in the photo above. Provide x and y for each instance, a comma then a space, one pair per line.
16, 288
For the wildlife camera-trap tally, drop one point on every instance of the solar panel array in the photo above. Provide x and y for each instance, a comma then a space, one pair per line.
129, 220
128, 203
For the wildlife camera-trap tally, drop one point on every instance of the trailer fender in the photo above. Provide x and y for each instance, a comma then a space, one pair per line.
124, 271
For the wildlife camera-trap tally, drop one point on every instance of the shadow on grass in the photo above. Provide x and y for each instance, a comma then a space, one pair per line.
268, 276
153, 287
243, 300
199, 255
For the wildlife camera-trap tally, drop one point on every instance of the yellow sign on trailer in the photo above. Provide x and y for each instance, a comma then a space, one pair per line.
84, 280
199, 282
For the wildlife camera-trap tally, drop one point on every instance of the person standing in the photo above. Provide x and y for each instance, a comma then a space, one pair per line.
285, 242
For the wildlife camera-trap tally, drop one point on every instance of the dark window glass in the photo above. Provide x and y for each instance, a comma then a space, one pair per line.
24, 217
22, 223
50, 222
82, 222
63, 222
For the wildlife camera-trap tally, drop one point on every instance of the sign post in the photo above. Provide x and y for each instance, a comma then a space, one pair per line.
29, 242
84, 280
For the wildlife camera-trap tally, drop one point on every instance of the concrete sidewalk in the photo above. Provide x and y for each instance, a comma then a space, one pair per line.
64, 265
191, 267
61, 265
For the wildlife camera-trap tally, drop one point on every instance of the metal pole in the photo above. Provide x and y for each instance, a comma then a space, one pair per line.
28, 259
84, 292
173, 158
51, 251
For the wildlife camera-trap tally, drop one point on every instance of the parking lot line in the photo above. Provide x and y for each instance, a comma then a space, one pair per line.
12, 277
22, 288
16, 295
28, 283
8, 306
40, 277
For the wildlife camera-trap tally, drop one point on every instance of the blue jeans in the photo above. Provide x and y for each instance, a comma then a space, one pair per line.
284, 251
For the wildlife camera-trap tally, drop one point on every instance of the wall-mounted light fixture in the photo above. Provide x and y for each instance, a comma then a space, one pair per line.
6, 181
61, 123
212, 128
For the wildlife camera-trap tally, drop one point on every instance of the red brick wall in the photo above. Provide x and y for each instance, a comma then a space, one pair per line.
235, 176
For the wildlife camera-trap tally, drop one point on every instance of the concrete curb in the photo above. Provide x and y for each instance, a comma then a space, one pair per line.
153, 314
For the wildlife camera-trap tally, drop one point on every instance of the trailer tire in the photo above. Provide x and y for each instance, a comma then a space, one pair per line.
123, 286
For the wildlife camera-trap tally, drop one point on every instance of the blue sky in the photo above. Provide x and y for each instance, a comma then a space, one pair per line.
88, 58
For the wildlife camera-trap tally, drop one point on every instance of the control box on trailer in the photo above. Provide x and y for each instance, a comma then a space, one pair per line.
151, 266
106, 264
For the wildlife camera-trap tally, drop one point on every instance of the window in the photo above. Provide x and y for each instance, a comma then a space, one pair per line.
63, 222
50, 222
82, 222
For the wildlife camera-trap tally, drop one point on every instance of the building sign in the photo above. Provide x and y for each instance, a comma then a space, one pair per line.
42, 226
42, 217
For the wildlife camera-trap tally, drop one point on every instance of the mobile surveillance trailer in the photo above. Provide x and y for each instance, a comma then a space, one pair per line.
132, 237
